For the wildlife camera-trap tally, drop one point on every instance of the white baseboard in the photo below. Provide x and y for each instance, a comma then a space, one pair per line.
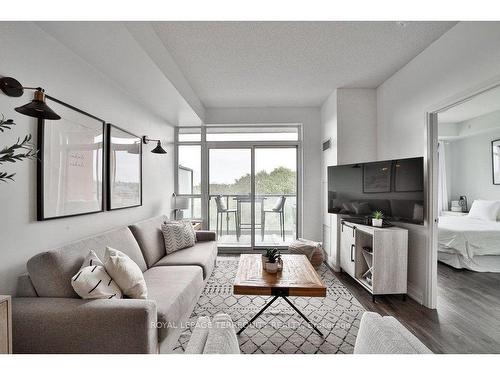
415, 293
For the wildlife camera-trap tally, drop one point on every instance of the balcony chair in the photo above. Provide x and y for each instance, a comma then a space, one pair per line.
279, 208
221, 210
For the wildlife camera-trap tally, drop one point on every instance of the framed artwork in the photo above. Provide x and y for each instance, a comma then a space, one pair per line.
70, 176
409, 175
124, 165
495, 161
377, 177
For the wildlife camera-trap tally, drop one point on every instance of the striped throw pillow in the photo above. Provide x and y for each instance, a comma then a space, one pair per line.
177, 235
92, 280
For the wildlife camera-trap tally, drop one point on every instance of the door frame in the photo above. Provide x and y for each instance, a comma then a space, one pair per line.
431, 182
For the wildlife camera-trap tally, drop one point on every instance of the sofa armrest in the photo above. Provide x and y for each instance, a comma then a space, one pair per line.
205, 235
221, 337
72, 325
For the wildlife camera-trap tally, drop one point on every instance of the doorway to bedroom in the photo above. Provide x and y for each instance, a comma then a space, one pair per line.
467, 177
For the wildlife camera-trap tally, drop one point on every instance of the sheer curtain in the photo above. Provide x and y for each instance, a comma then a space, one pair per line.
442, 188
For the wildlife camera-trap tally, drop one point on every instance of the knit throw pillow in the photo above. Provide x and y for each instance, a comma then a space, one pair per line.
177, 235
92, 280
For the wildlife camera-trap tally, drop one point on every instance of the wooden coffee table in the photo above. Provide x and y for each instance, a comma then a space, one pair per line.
298, 278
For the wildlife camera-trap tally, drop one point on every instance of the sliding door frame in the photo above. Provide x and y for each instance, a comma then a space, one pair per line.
204, 165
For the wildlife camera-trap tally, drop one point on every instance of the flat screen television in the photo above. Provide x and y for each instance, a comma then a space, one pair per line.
395, 187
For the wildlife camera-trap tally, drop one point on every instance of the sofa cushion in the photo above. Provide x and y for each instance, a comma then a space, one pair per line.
176, 291
51, 271
150, 238
202, 254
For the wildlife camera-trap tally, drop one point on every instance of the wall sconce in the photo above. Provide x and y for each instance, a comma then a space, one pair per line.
37, 107
158, 149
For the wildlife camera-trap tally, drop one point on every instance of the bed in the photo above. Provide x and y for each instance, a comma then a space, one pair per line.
465, 242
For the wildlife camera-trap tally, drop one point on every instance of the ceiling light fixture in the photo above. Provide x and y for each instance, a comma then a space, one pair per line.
37, 107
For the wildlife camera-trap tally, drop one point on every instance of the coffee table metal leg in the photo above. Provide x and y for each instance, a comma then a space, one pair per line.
302, 315
258, 314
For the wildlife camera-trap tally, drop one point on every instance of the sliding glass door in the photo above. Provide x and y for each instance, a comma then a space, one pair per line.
242, 181
272, 171
230, 192
275, 195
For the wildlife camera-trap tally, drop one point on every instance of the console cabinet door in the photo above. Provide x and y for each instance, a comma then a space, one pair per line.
347, 249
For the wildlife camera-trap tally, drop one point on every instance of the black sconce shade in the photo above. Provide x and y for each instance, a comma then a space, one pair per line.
37, 108
158, 149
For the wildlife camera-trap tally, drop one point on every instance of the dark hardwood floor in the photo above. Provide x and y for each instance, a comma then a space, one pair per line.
467, 319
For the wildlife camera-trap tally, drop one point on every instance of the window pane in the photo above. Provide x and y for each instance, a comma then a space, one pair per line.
189, 170
251, 133
189, 134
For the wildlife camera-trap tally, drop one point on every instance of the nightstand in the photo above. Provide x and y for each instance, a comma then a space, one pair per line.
453, 213
5, 325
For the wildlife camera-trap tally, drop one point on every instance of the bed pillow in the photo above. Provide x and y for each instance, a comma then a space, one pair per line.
92, 281
484, 210
126, 273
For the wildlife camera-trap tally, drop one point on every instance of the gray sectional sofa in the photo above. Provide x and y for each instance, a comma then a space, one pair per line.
49, 317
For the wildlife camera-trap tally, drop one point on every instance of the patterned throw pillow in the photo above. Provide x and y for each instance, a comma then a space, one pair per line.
92, 280
177, 235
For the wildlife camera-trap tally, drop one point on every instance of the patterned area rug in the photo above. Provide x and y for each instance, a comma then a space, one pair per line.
280, 329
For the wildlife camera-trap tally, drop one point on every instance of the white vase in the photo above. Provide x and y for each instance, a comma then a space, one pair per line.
272, 267
377, 222
264, 261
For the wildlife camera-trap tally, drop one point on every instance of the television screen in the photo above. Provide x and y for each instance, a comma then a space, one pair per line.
395, 187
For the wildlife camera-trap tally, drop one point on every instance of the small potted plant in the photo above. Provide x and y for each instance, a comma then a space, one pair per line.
377, 219
273, 260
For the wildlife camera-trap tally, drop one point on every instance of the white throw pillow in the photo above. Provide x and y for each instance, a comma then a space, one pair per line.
126, 274
92, 280
484, 210
177, 235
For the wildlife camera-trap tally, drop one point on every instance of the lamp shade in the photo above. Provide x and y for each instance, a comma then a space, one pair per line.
37, 108
158, 149
181, 203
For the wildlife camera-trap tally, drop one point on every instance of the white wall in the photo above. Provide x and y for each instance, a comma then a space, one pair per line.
329, 157
349, 119
470, 167
310, 118
463, 58
357, 125
35, 58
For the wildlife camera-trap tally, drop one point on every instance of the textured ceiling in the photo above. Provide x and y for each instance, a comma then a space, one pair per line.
254, 64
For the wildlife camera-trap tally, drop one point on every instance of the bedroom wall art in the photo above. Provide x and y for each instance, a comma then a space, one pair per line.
495, 156
70, 172
124, 165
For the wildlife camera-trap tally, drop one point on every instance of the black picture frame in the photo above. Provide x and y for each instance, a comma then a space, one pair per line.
41, 161
109, 147
495, 181
408, 182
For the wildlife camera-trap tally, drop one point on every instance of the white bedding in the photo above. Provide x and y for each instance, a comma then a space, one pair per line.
468, 237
